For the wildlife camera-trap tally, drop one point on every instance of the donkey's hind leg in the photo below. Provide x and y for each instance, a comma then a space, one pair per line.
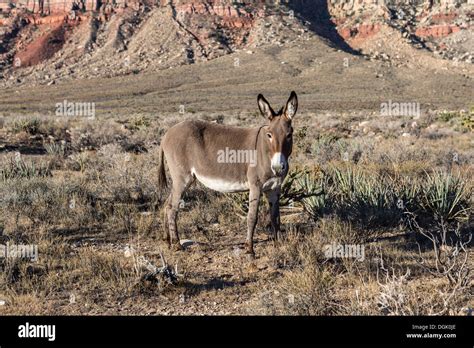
166, 230
179, 186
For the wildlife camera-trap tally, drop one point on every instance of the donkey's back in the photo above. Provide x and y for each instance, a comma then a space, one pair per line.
201, 149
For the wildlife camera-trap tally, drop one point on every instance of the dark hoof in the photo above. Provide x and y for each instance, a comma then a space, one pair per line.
177, 247
249, 251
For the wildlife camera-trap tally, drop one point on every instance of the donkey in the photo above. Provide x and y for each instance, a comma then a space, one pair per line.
212, 153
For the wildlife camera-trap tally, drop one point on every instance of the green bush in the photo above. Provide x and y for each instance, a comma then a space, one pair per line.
28, 125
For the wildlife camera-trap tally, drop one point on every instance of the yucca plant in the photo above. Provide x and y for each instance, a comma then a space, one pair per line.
19, 168
365, 198
294, 190
300, 184
408, 191
55, 149
446, 197
316, 205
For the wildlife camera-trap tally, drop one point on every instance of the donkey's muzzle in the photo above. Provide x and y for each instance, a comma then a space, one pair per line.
278, 164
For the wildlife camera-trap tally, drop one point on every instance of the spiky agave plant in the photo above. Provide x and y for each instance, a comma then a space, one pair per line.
19, 168
316, 204
356, 188
366, 198
299, 185
446, 196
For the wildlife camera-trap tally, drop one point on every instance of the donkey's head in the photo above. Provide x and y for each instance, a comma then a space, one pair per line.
279, 133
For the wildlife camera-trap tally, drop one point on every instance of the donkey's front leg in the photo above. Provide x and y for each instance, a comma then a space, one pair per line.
254, 199
273, 198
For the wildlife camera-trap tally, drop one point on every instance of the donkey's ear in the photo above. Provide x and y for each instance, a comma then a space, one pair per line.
265, 107
291, 106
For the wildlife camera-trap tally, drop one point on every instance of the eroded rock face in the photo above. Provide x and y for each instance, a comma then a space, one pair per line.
65, 32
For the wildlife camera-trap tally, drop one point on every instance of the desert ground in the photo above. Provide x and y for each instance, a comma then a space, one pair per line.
84, 189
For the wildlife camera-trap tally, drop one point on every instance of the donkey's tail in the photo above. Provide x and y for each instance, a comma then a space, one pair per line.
162, 182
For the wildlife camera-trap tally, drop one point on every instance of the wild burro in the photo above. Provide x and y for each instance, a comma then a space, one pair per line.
229, 159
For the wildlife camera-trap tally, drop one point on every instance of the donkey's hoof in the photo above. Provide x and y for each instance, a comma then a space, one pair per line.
250, 254
176, 246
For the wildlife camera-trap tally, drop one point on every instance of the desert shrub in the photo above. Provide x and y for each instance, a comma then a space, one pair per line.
467, 120
461, 120
120, 177
306, 291
373, 199
94, 134
57, 152
48, 201
55, 129
447, 116
16, 167
56, 148
78, 161
308, 281
327, 148
138, 122
28, 125
445, 197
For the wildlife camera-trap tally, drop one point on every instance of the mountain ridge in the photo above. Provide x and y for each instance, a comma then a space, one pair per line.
68, 39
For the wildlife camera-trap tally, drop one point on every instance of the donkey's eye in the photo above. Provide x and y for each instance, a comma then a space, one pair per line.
269, 135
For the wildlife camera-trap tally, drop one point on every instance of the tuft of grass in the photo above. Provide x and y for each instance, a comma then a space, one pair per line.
447, 116
138, 122
56, 148
17, 168
28, 125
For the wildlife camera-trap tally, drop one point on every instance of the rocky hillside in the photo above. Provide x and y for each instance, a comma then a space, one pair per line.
42, 42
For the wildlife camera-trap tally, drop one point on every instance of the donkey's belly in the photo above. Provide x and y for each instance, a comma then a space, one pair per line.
221, 185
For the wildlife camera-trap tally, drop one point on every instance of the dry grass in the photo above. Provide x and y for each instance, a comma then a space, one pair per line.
84, 192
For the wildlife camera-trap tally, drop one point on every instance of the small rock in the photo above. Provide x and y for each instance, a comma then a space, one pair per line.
128, 251
186, 243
